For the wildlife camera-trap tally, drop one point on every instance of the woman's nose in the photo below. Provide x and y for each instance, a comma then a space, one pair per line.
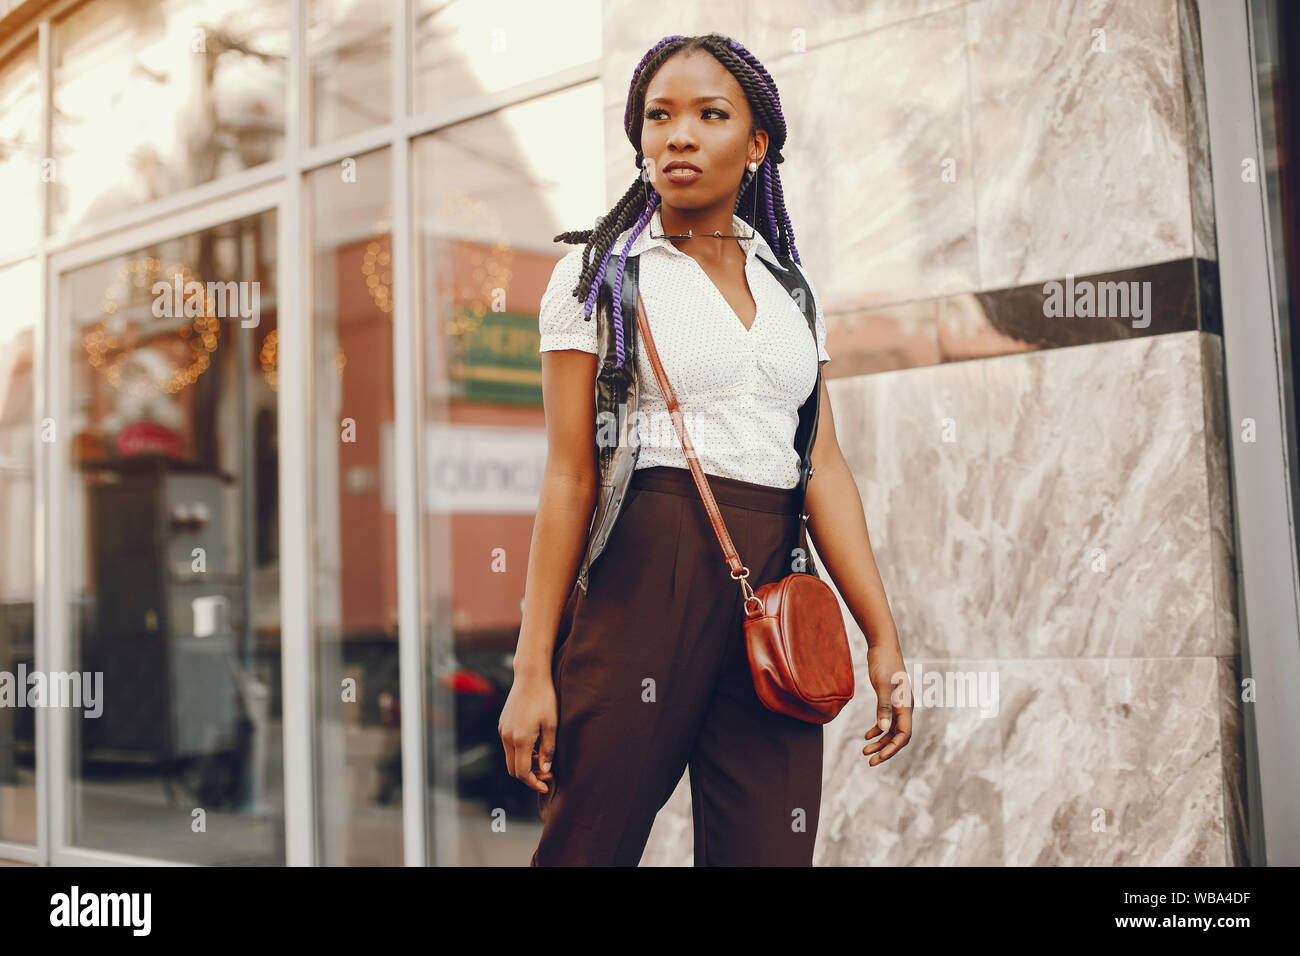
682, 135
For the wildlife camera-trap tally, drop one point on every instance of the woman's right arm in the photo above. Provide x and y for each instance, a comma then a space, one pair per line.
568, 496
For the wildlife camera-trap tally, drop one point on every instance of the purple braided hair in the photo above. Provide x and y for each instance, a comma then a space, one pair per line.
768, 211
618, 276
790, 249
636, 75
767, 86
771, 227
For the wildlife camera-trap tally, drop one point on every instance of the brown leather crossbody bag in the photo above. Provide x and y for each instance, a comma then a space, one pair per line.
794, 632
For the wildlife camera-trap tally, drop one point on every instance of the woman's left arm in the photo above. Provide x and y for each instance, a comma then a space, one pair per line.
837, 525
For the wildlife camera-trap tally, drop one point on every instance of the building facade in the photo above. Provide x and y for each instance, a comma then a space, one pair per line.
271, 434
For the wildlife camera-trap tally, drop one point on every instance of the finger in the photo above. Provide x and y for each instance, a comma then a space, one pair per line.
510, 762
884, 712
521, 756
876, 744
903, 717
524, 765
546, 749
897, 743
901, 698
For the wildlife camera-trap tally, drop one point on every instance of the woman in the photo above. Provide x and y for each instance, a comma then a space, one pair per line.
651, 675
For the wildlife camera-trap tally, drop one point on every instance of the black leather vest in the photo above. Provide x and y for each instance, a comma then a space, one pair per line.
618, 398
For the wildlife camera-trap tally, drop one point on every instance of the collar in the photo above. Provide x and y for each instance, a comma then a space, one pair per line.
755, 246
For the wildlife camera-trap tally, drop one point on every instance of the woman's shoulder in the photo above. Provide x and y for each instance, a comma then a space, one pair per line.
564, 275
819, 315
562, 319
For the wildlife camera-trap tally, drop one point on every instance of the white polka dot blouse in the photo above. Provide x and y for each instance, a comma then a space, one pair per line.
739, 389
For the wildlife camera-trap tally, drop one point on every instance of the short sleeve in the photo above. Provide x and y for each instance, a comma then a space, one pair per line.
822, 355
560, 320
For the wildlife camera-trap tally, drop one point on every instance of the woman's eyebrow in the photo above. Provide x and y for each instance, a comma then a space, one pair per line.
698, 99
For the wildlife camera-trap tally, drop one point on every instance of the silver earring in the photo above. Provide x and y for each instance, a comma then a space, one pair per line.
753, 167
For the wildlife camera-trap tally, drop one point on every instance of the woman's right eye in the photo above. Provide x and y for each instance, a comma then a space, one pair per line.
650, 113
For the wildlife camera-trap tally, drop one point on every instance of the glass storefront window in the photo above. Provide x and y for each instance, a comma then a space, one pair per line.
466, 47
167, 465
20, 149
151, 99
484, 240
349, 47
354, 526
19, 288
172, 556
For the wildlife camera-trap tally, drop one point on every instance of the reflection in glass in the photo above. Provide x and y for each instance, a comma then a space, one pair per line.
1277, 77
173, 560
465, 47
349, 47
150, 99
20, 150
485, 231
358, 742
19, 285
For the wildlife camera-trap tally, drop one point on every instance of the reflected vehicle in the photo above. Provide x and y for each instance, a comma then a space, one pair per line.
477, 682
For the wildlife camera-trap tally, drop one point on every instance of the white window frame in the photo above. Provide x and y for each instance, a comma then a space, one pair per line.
1264, 516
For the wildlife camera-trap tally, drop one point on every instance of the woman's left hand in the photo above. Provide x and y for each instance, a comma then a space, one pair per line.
893, 702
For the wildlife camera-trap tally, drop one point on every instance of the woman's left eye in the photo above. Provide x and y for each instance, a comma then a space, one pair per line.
712, 109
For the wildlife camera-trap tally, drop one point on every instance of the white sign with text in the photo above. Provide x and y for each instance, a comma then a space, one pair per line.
475, 469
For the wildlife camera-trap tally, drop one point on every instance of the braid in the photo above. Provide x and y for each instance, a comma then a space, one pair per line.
766, 105
768, 211
656, 54
618, 276
634, 210
602, 237
787, 230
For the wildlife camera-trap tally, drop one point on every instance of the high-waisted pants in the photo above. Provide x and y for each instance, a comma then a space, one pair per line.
652, 677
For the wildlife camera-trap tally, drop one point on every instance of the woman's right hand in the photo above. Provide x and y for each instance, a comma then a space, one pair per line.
529, 713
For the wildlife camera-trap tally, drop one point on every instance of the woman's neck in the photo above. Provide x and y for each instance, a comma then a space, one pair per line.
703, 247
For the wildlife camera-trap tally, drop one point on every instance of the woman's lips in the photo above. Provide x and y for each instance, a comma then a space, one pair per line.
683, 176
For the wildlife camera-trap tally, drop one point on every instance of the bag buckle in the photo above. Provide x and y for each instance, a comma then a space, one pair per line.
746, 591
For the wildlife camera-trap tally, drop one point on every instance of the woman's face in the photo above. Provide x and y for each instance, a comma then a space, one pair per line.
696, 115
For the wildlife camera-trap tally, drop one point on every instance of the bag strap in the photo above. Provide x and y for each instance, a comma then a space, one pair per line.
738, 571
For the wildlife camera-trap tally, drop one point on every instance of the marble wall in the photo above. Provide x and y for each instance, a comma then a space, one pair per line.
1047, 493
1053, 524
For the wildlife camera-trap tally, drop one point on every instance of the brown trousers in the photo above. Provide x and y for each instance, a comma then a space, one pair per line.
652, 677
